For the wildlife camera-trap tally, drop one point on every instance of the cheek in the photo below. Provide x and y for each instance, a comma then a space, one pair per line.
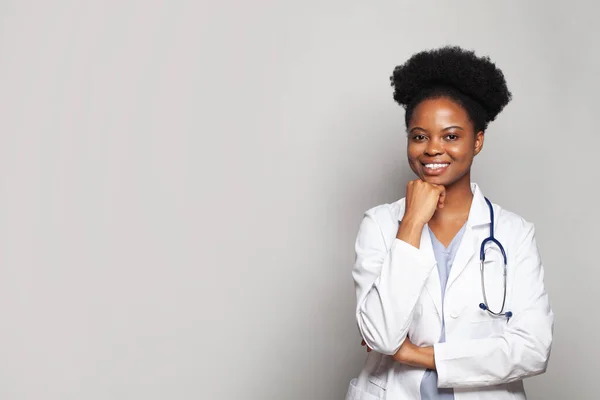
413, 162
461, 153
412, 152
412, 155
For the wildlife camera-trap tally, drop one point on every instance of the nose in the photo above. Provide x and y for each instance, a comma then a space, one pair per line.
434, 147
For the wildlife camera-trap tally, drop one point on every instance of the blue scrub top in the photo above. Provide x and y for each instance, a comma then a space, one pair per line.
444, 258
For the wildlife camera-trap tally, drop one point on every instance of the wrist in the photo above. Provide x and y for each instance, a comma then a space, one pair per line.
410, 231
415, 356
427, 357
413, 222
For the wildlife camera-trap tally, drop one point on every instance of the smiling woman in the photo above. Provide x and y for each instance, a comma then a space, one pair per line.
441, 142
424, 298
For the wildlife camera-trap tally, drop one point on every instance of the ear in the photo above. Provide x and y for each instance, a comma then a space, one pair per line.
479, 139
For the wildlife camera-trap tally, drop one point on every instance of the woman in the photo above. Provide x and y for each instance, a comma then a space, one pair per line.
434, 332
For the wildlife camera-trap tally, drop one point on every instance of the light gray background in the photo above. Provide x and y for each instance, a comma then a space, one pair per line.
181, 185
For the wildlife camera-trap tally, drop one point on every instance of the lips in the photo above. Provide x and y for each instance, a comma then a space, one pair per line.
435, 169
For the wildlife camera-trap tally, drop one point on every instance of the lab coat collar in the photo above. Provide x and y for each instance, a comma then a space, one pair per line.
479, 214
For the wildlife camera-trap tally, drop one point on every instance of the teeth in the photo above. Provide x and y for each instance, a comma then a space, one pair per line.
436, 166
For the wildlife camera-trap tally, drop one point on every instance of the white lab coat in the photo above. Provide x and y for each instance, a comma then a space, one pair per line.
398, 294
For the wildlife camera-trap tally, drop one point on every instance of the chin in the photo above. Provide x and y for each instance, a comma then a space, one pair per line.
436, 180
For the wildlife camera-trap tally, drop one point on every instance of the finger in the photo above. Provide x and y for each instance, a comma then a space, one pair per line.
409, 187
368, 349
363, 343
442, 197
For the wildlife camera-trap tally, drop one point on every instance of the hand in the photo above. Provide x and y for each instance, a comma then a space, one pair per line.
365, 344
422, 200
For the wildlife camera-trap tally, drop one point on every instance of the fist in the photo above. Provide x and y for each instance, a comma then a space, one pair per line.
422, 200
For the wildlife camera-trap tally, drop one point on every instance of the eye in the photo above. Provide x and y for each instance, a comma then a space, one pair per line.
418, 137
451, 136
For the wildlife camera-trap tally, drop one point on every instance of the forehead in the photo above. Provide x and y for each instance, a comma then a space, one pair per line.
439, 113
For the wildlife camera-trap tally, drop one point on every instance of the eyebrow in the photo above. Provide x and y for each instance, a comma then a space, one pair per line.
453, 127
445, 129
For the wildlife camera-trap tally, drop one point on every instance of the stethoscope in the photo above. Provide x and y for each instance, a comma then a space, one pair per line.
484, 306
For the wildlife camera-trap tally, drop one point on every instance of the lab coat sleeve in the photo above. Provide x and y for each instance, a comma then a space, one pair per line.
388, 283
524, 347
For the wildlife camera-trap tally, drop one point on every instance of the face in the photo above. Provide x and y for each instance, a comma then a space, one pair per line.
442, 142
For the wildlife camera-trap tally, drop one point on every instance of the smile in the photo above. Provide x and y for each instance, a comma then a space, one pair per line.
436, 166
435, 169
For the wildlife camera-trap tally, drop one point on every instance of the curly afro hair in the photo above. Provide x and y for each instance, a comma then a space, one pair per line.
473, 82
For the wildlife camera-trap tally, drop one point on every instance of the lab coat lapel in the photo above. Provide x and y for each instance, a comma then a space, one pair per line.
466, 251
433, 285
478, 217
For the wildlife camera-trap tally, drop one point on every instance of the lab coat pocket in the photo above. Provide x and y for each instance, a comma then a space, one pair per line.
487, 327
357, 393
379, 377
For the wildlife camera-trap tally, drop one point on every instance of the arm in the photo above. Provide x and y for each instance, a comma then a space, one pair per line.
388, 282
524, 348
415, 356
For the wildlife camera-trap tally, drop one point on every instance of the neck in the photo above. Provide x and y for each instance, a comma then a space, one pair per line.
457, 203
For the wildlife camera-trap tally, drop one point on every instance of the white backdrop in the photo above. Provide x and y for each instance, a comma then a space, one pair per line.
181, 185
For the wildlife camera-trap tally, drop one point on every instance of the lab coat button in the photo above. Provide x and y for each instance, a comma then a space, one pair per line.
453, 315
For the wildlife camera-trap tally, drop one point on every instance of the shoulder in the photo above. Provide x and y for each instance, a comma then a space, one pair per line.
380, 223
513, 226
510, 219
